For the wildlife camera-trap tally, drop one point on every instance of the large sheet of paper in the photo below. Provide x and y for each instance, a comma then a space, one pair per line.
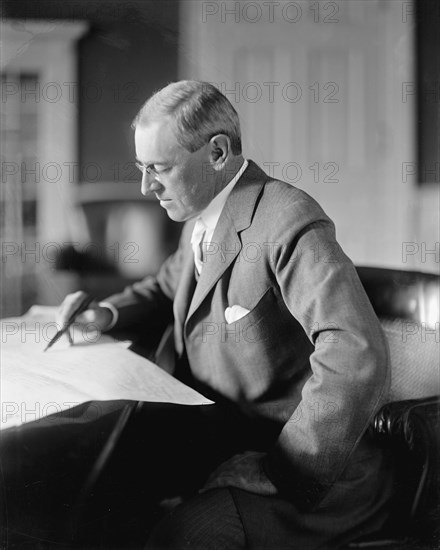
34, 383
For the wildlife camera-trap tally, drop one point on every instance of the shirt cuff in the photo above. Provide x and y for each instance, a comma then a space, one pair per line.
114, 312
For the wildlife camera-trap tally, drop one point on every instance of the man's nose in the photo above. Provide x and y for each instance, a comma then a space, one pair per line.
149, 183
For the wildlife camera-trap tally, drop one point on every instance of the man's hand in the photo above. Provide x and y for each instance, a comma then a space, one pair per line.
100, 317
244, 471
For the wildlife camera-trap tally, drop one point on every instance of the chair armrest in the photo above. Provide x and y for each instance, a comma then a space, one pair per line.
411, 429
408, 420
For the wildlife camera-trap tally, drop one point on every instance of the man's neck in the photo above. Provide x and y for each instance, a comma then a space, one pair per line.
228, 173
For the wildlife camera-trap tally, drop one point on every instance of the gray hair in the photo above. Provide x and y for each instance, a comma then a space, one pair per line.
198, 111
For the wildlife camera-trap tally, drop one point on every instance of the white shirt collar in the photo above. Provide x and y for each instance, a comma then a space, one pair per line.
211, 214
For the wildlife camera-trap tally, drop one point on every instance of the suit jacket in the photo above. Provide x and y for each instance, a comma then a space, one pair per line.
310, 354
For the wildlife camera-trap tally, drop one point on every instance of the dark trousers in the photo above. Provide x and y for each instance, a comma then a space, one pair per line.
169, 451
164, 451
208, 521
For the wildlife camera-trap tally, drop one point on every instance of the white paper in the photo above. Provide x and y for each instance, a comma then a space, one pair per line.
35, 383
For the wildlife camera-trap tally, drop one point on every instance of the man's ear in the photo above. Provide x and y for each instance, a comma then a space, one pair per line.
220, 150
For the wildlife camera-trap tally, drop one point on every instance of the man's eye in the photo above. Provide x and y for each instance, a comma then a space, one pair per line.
161, 170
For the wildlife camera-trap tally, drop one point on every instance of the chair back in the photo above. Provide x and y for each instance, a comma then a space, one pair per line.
407, 304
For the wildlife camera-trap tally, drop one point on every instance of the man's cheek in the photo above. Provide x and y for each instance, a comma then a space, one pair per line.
194, 190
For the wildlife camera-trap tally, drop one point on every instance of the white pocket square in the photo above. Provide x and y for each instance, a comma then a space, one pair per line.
234, 313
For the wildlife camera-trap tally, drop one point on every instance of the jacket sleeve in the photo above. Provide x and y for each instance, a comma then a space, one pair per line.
150, 302
349, 363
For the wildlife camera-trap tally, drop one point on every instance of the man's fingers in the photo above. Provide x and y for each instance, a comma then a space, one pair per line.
68, 306
96, 315
86, 317
69, 336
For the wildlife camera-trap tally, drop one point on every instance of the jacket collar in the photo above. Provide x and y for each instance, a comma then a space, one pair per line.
226, 245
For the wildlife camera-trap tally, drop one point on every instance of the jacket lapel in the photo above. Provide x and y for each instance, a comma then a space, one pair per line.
222, 251
184, 294
226, 244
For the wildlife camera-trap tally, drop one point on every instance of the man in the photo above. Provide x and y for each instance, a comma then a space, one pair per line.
271, 321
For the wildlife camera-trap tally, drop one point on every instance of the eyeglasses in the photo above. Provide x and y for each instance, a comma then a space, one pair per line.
149, 169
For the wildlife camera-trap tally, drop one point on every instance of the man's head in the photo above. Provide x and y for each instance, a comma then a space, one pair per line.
188, 144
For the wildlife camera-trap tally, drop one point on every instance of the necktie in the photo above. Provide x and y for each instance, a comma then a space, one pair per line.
197, 244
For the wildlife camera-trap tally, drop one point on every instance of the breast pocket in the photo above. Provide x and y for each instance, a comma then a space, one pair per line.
257, 325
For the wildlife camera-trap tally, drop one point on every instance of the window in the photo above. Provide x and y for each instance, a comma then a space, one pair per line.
18, 195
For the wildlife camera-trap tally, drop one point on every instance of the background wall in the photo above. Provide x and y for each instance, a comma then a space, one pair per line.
327, 98
130, 50
333, 97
